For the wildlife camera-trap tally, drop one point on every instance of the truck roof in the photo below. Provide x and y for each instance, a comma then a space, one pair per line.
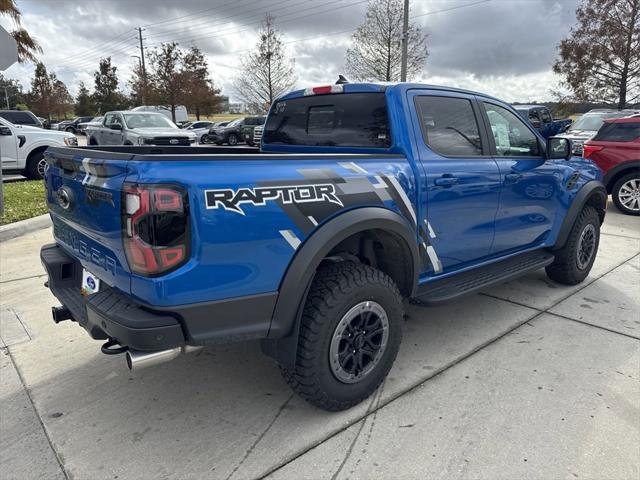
529, 107
382, 86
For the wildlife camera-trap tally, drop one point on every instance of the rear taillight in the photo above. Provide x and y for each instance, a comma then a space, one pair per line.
588, 150
156, 228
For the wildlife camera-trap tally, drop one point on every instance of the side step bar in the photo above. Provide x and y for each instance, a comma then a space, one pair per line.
477, 279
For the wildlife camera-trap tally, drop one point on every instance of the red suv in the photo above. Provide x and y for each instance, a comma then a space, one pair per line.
616, 150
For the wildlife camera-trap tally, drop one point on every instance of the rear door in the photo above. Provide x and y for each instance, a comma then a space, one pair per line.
462, 178
84, 196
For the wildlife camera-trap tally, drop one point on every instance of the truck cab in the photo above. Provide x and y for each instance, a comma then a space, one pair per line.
541, 119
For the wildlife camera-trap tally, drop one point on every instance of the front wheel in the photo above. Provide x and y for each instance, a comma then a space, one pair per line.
36, 166
350, 333
573, 262
233, 139
626, 194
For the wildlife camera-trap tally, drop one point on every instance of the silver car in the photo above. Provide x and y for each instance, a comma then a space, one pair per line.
137, 128
588, 125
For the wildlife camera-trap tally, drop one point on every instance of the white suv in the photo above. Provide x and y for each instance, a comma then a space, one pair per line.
22, 147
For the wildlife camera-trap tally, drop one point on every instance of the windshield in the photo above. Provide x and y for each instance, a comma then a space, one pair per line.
96, 119
147, 120
233, 123
593, 121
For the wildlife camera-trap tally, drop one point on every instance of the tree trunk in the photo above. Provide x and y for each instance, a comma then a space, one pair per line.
173, 113
198, 113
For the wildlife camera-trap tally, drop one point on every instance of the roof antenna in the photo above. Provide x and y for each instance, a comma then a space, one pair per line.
342, 80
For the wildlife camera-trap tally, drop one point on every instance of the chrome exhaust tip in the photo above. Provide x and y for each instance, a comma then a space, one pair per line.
138, 360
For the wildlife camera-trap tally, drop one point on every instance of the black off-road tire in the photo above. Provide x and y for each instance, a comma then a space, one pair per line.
615, 192
565, 268
335, 290
34, 170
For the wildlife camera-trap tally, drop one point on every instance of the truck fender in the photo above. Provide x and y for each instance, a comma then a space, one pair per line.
592, 193
281, 343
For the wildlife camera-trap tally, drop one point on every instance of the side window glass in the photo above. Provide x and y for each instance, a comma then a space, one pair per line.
107, 120
533, 116
116, 120
449, 126
513, 138
545, 115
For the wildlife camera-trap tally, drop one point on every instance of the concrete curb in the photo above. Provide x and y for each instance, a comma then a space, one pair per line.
17, 229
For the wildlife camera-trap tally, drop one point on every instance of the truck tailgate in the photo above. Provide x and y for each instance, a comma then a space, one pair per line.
84, 195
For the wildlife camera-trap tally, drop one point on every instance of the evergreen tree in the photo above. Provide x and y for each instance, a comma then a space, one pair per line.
84, 105
106, 95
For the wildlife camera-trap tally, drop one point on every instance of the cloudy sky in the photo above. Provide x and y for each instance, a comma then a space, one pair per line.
501, 47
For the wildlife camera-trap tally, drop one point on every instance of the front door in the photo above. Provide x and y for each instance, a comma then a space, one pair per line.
462, 179
8, 147
531, 186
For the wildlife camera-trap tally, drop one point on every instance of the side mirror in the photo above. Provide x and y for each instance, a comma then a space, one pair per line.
559, 148
116, 126
5, 131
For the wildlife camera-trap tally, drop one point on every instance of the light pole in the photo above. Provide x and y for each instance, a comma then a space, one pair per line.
405, 41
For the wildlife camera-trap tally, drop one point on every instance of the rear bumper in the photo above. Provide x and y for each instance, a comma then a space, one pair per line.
112, 314
108, 313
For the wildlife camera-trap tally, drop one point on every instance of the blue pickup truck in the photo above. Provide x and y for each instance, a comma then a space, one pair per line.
540, 118
361, 196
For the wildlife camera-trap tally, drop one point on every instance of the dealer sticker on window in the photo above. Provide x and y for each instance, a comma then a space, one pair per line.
90, 283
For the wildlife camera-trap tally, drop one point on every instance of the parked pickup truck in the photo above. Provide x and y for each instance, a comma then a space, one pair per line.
540, 117
22, 147
137, 128
361, 195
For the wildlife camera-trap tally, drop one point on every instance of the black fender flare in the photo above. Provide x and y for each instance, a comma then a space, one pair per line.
593, 188
281, 343
631, 166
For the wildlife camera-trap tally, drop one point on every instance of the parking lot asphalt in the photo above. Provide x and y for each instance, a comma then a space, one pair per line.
529, 379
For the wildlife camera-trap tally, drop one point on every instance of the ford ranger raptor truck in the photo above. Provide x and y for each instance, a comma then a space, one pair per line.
360, 196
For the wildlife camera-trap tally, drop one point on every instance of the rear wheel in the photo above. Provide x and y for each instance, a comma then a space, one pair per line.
233, 139
626, 194
92, 141
349, 336
573, 262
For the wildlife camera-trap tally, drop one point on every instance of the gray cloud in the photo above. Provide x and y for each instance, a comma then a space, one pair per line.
502, 42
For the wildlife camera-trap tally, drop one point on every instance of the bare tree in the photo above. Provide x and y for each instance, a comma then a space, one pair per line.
165, 79
267, 72
600, 59
375, 52
28, 47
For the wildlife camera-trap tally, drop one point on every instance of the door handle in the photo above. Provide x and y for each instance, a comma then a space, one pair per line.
446, 180
512, 177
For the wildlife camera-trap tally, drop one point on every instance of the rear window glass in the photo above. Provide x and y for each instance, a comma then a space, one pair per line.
335, 120
449, 126
618, 132
20, 118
